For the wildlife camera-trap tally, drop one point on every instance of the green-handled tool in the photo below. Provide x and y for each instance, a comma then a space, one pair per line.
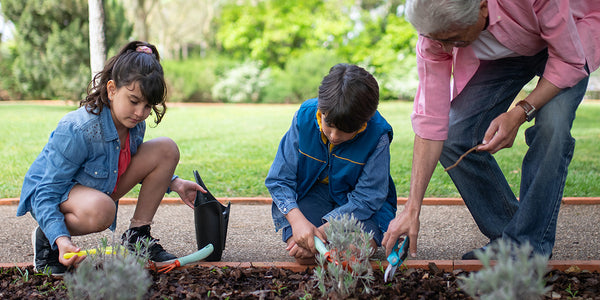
194, 257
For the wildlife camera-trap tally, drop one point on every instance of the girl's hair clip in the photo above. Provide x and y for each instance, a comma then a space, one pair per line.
144, 49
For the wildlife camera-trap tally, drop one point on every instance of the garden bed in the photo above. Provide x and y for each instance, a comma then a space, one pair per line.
276, 283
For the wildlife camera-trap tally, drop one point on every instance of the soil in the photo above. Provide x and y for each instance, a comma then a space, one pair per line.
273, 283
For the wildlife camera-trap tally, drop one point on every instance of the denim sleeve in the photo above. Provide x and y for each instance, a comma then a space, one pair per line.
64, 154
281, 179
371, 191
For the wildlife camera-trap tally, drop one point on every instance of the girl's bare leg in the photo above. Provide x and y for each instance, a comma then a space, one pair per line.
153, 165
87, 210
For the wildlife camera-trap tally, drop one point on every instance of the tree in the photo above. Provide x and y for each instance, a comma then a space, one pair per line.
175, 25
51, 38
272, 31
97, 46
369, 33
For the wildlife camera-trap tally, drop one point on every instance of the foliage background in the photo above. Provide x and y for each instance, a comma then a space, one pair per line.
254, 51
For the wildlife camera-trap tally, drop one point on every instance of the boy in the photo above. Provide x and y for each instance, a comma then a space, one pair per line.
334, 160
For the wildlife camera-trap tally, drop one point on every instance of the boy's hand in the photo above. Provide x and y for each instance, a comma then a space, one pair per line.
304, 231
296, 251
65, 245
187, 190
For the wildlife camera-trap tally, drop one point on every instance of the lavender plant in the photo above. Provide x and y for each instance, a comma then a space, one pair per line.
348, 243
121, 275
516, 274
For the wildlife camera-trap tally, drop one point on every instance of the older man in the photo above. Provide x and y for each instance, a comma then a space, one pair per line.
473, 58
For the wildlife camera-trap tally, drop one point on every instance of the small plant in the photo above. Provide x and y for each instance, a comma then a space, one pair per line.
571, 292
517, 273
121, 275
24, 275
348, 243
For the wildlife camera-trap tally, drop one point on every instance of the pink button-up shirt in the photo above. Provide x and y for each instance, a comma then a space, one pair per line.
569, 29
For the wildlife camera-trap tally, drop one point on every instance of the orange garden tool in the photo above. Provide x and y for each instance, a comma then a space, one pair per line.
194, 257
327, 253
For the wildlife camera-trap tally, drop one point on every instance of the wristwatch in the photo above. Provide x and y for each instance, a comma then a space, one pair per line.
529, 109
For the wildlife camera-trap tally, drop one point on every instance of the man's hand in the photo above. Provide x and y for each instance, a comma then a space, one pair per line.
405, 223
502, 131
187, 190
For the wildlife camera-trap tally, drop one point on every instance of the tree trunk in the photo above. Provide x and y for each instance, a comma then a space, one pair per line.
97, 44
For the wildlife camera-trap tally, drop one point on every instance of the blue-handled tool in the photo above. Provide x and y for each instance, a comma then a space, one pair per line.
396, 258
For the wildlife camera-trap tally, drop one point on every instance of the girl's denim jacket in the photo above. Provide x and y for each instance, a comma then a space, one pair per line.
83, 149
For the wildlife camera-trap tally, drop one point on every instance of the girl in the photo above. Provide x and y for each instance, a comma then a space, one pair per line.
97, 154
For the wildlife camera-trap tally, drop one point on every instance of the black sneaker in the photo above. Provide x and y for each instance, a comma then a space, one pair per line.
156, 251
44, 258
471, 254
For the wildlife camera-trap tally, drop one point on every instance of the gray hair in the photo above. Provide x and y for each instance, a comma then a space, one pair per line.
433, 16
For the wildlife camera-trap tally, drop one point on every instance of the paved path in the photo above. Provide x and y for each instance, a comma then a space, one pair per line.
447, 231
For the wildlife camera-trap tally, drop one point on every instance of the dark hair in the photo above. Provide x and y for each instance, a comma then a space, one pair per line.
348, 96
136, 62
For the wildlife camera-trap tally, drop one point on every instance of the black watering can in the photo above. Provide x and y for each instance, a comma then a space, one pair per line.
211, 219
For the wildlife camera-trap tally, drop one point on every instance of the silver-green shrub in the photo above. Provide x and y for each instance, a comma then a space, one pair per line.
518, 273
348, 242
121, 275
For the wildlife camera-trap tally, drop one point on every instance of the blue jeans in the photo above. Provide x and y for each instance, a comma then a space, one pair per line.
317, 203
478, 177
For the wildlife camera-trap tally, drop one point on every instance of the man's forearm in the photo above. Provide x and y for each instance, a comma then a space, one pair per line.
426, 154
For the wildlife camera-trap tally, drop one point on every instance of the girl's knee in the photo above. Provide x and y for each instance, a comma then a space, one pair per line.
167, 148
94, 215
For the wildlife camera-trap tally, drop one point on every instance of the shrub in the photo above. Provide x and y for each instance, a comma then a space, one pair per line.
121, 275
517, 273
242, 84
301, 77
348, 242
191, 80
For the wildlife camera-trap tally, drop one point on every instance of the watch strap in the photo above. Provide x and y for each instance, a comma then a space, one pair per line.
529, 109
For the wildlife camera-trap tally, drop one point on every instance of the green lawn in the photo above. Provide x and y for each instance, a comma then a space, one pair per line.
232, 146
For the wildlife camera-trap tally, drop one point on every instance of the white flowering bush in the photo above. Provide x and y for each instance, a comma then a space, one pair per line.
242, 84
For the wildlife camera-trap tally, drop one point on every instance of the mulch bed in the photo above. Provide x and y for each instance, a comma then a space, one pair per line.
274, 283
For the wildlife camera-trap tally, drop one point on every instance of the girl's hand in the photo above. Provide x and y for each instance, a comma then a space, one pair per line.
65, 245
187, 190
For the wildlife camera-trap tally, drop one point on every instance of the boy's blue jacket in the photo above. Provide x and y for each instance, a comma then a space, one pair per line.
83, 149
359, 181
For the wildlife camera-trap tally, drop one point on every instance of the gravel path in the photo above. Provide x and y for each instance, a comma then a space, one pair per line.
446, 233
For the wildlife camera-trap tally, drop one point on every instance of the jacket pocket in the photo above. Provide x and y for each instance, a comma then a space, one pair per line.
96, 171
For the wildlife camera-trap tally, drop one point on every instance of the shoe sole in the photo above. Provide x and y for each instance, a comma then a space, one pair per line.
33, 239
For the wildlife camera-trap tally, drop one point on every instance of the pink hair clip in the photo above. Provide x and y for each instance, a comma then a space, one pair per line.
144, 49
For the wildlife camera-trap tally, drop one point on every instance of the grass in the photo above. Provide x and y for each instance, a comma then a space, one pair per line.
232, 146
